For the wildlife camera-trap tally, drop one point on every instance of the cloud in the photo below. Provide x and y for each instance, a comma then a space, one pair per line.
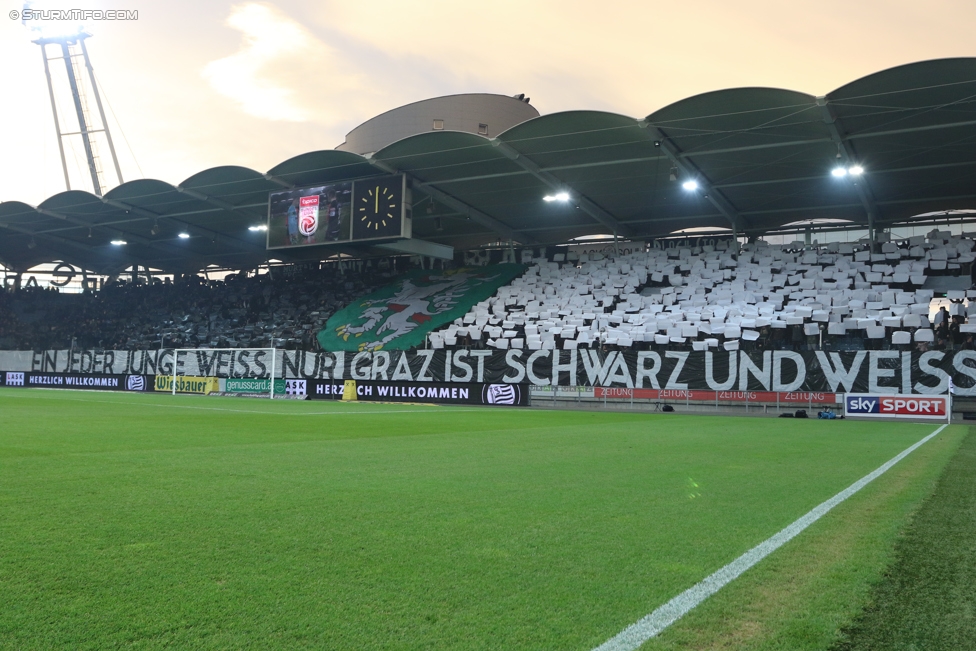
282, 72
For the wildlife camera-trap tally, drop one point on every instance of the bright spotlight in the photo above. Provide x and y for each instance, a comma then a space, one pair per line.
690, 186
559, 196
259, 227
184, 236
838, 172
856, 170
119, 242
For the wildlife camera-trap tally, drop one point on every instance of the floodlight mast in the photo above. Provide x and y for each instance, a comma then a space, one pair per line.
85, 130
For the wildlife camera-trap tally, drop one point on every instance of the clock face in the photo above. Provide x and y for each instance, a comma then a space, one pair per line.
378, 208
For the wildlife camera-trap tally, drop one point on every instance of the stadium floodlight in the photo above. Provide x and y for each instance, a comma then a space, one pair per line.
559, 196
52, 30
183, 236
259, 227
838, 172
856, 170
119, 242
53, 22
691, 185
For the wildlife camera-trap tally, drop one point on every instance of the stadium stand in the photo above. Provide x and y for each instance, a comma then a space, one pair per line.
838, 296
285, 308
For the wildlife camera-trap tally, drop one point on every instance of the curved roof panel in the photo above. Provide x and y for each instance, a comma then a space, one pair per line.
437, 156
577, 137
151, 195
211, 180
325, 166
241, 187
78, 203
738, 116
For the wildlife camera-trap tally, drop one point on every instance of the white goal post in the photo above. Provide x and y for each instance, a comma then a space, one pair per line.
208, 361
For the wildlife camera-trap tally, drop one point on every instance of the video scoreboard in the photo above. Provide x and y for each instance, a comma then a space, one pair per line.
363, 210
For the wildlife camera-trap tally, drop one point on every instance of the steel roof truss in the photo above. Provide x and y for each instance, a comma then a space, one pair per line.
86, 251
690, 170
243, 247
584, 203
846, 153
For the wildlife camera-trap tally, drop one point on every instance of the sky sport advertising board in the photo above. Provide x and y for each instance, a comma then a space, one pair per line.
367, 209
912, 407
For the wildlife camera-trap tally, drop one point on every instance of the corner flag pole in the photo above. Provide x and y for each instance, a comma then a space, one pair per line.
274, 358
950, 390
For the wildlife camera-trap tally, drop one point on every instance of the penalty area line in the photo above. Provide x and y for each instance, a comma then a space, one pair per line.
632, 637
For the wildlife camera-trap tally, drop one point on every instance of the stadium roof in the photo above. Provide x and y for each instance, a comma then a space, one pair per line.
762, 158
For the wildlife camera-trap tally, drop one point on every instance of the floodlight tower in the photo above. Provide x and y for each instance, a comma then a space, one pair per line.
70, 41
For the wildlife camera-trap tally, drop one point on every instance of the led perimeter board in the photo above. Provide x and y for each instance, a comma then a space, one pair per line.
351, 211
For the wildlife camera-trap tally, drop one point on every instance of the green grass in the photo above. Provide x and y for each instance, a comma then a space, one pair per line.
144, 521
927, 598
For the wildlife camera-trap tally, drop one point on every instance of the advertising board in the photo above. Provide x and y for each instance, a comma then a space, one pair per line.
76, 381
427, 392
187, 384
912, 407
251, 385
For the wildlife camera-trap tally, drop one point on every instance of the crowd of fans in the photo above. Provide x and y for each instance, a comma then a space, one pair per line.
756, 299
285, 308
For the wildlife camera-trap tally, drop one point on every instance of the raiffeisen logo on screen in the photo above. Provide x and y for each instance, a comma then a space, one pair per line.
899, 406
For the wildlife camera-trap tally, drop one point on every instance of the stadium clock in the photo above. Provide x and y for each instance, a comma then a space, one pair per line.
379, 208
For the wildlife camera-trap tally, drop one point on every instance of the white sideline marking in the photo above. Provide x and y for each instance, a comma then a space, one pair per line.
651, 625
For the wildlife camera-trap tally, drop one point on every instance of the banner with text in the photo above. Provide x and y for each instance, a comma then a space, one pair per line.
875, 372
76, 381
437, 392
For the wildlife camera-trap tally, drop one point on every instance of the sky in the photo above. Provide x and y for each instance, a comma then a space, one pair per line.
192, 85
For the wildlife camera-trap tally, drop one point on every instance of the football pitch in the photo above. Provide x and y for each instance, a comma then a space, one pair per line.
153, 521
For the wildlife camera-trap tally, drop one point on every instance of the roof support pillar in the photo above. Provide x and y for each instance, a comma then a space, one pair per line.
584, 204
